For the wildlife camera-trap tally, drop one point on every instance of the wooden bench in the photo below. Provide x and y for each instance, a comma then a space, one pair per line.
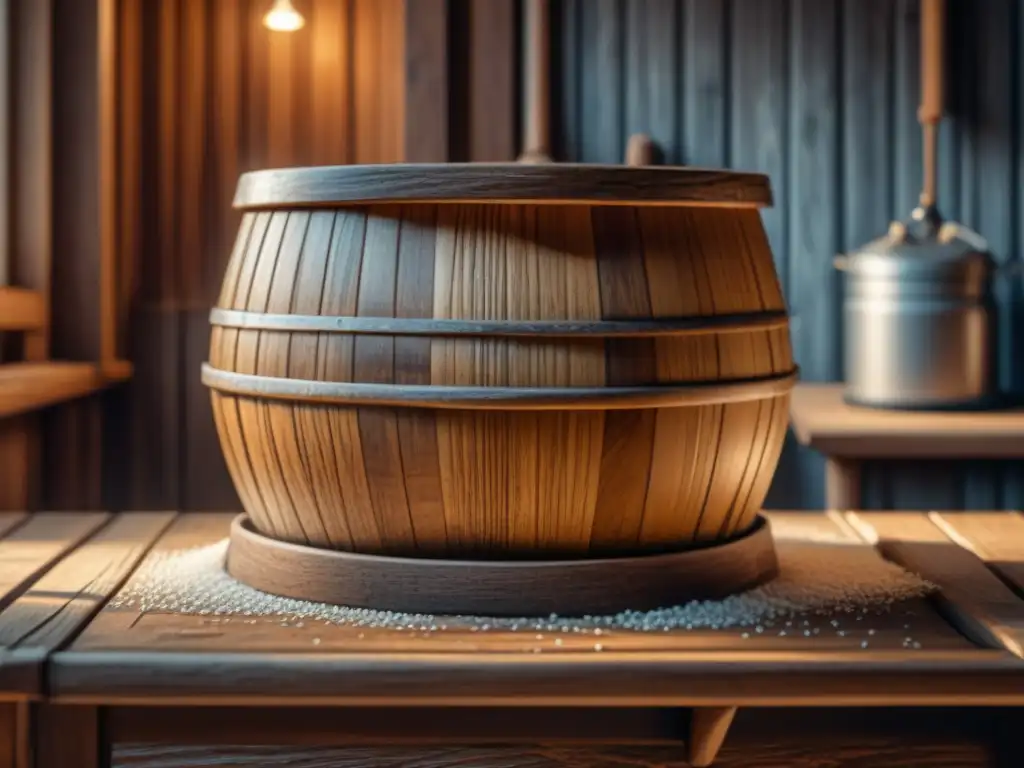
847, 436
163, 688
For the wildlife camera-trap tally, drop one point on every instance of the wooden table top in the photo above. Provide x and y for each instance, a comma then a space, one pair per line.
61, 637
821, 420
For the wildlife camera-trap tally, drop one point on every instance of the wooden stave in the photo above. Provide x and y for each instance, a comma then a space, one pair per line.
454, 520
274, 503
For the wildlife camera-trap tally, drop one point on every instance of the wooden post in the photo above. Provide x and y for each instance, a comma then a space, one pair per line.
842, 484
537, 80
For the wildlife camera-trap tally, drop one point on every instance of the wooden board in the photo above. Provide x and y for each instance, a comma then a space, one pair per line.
823, 421
60, 601
995, 537
28, 387
972, 598
29, 546
545, 738
125, 656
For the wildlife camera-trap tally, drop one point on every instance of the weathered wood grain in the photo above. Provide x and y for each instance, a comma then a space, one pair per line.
487, 182
61, 601
801, 738
995, 537
971, 596
29, 549
127, 656
540, 756
822, 421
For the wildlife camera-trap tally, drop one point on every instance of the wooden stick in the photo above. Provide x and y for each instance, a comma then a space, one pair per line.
536, 117
640, 150
933, 17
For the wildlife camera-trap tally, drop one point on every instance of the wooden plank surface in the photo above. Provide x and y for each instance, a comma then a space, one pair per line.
972, 597
67, 596
995, 537
821, 420
125, 655
26, 387
29, 549
546, 738
11, 520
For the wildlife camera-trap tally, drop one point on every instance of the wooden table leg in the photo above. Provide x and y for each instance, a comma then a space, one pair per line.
842, 484
69, 736
14, 735
708, 728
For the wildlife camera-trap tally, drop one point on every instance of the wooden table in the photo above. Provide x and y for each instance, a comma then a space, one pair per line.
161, 688
38, 564
848, 435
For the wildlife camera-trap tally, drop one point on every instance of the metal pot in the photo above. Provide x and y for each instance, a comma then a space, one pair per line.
920, 318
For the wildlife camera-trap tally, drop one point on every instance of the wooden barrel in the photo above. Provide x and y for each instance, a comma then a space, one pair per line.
501, 361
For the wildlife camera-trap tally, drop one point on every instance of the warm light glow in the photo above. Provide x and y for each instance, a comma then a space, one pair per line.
283, 17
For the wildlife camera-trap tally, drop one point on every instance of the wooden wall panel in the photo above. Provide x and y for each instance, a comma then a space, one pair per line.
206, 93
822, 95
26, 231
427, 82
493, 122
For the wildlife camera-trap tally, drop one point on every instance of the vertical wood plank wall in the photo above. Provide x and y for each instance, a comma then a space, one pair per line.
208, 93
822, 95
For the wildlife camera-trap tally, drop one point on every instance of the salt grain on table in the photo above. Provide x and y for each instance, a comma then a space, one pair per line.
817, 575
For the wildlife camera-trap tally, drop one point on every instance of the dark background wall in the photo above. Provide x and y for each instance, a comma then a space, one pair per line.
821, 95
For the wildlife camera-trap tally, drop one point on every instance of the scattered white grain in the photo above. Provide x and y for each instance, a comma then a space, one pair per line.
814, 578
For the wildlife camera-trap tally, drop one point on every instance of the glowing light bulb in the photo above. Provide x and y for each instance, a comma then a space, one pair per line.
283, 17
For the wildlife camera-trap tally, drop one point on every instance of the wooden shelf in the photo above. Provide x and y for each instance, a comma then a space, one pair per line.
21, 309
824, 422
26, 387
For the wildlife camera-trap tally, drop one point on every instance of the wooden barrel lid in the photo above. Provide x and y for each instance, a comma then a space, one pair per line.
500, 182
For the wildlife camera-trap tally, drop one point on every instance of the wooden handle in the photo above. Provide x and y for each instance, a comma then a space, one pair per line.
537, 124
639, 150
933, 20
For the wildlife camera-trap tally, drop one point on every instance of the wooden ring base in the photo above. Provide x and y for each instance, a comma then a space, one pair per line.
501, 587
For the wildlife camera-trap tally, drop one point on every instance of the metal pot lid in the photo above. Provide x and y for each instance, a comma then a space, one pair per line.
922, 245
